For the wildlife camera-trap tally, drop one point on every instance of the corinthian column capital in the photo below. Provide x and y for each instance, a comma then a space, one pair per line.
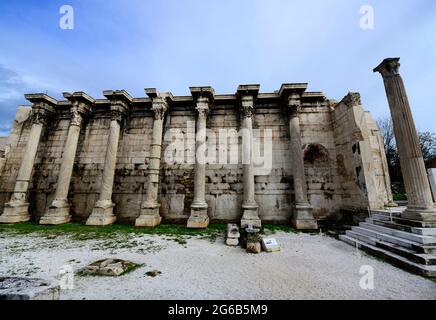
388, 67
43, 107
81, 105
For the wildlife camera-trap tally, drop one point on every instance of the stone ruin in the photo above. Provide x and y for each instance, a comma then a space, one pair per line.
98, 161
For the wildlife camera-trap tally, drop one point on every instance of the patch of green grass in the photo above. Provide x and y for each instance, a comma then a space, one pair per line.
400, 197
83, 232
274, 228
432, 279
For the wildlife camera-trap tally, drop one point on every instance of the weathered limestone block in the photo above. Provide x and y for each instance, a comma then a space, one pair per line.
233, 235
13, 288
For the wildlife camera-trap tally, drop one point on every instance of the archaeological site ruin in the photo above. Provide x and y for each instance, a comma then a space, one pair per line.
100, 161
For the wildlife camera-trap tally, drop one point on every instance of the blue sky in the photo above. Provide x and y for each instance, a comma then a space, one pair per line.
174, 44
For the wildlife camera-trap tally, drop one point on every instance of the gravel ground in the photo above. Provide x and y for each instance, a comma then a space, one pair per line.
308, 267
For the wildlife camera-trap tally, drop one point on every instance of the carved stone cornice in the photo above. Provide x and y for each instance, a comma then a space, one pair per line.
389, 67
352, 99
82, 102
120, 103
44, 107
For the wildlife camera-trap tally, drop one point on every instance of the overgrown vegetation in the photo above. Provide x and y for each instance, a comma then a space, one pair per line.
274, 228
427, 141
77, 231
400, 197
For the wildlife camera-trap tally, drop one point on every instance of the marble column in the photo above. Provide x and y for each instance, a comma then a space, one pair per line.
102, 214
149, 216
16, 210
250, 209
198, 219
302, 216
59, 210
420, 203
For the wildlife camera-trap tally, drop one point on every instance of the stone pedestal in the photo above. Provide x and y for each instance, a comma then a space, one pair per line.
16, 210
149, 216
59, 210
199, 218
250, 209
103, 214
420, 201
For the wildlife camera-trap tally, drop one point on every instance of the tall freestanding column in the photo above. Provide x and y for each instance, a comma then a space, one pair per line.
16, 210
102, 214
250, 209
149, 216
59, 210
203, 97
420, 203
302, 217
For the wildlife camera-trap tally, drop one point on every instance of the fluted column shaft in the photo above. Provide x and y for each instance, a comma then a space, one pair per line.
149, 216
59, 210
110, 162
420, 202
302, 217
200, 165
300, 186
102, 213
16, 210
250, 208
199, 217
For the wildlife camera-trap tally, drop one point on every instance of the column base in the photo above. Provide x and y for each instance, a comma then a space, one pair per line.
149, 218
15, 212
58, 213
199, 218
303, 219
250, 216
419, 214
102, 214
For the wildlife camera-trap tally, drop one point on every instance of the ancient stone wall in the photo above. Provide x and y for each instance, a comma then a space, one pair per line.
343, 159
361, 159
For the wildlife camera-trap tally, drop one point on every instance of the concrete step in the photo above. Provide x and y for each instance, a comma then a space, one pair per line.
421, 258
388, 213
418, 247
395, 259
402, 227
400, 234
415, 223
406, 222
